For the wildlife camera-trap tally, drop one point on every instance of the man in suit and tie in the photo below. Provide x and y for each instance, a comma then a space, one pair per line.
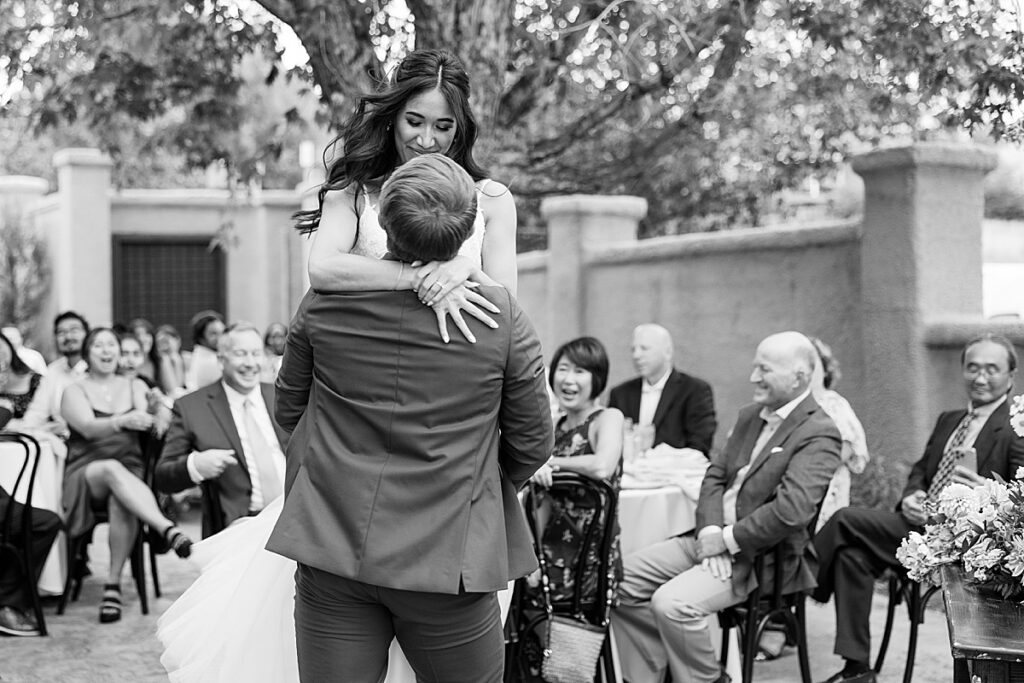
857, 545
405, 459
762, 490
224, 436
680, 407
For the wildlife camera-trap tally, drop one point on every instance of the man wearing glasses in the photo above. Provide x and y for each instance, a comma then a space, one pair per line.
224, 433
69, 330
967, 446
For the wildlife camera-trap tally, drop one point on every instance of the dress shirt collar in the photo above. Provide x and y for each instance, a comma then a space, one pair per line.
62, 365
657, 386
237, 399
775, 417
985, 411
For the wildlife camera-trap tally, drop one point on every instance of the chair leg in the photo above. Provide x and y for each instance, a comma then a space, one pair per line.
917, 605
801, 640
153, 571
72, 585
138, 564
890, 616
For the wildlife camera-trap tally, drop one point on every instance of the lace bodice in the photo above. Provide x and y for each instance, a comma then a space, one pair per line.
372, 241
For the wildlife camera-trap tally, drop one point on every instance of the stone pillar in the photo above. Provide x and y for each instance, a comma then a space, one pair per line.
577, 223
80, 238
920, 261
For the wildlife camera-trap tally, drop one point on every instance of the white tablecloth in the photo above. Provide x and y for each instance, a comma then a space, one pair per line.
46, 495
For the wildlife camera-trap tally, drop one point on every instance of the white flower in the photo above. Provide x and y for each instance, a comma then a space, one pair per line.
1017, 417
1020, 470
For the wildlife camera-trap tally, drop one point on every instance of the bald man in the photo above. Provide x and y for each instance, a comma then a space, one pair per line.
681, 407
762, 490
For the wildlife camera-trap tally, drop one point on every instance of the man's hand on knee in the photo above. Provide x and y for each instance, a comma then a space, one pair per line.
720, 566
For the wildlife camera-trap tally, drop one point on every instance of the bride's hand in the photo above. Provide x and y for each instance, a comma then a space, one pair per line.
459, 300
435, 280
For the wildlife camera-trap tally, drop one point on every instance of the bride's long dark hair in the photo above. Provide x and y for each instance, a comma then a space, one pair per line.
368, 147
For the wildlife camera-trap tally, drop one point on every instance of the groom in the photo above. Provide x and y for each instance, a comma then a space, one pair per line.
400, 495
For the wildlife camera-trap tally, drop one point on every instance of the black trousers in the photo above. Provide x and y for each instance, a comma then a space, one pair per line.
854, 547
343, 629
45, 527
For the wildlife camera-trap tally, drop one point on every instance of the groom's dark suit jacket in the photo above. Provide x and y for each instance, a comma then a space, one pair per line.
407, 452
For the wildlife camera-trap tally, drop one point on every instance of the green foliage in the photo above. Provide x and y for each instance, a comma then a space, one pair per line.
24, 288
705, 109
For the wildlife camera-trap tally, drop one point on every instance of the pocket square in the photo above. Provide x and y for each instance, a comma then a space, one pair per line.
777, 449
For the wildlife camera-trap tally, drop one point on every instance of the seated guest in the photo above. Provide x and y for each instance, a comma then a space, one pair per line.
855, 444
106, 413
16, 618
18, 382
44, 412
149, 369
273, 351
762, 490
132, 360
680, 407
171, 362
204, 368
225, 432
30, 357
857, 544
588, 440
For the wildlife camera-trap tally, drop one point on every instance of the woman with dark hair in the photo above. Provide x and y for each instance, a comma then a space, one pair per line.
424, 107
588, 441
149, 369
172, 362
18, 383
204, 368
273, 351
106, 412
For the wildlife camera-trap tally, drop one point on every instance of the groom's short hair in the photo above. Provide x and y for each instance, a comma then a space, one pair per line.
427, 208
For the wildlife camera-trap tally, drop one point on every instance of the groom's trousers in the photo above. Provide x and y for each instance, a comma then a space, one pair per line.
343, 629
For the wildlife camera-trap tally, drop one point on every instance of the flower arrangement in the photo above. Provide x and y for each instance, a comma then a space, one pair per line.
981, 527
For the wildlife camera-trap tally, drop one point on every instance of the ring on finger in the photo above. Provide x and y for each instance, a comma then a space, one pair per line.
437, 285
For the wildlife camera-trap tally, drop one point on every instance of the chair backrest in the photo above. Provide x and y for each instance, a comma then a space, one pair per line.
597, 532
29, 466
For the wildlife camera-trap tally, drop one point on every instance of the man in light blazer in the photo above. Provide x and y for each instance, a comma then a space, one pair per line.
406, 456
857, 544
680, 407
211, 439
762, 490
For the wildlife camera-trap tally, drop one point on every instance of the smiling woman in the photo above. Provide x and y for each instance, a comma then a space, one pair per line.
424, 107
106, 412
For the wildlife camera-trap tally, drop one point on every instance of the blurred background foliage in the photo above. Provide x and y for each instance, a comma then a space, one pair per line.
709, 110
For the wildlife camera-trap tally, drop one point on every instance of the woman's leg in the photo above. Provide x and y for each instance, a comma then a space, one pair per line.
121, 537
109, 477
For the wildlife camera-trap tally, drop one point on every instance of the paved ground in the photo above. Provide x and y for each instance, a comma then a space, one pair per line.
81, 650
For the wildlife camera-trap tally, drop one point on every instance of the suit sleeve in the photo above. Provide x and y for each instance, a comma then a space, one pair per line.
295, 377
799, 493
918, 479
615, 400
171, 473
525, 415
699, 418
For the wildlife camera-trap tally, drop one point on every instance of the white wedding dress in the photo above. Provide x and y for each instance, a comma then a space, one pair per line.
236, 621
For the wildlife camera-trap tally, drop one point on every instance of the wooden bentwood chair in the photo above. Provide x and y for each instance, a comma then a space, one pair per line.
21, 552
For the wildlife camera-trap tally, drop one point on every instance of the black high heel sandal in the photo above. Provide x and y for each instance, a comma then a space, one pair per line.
110, 604
177, 541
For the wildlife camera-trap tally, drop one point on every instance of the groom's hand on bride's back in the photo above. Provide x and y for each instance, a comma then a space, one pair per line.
210, 463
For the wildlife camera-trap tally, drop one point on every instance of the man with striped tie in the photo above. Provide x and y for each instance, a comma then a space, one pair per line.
966, 446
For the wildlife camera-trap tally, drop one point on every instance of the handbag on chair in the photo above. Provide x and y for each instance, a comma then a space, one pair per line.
572, 645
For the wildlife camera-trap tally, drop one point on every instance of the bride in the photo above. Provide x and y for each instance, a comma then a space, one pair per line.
236, 621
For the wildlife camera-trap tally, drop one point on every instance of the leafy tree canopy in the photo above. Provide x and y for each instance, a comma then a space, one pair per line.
703, 108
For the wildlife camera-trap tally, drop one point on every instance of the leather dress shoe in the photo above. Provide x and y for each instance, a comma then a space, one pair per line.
865, 677
14, 623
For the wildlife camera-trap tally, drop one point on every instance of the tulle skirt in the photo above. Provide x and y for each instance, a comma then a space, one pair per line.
236, 622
